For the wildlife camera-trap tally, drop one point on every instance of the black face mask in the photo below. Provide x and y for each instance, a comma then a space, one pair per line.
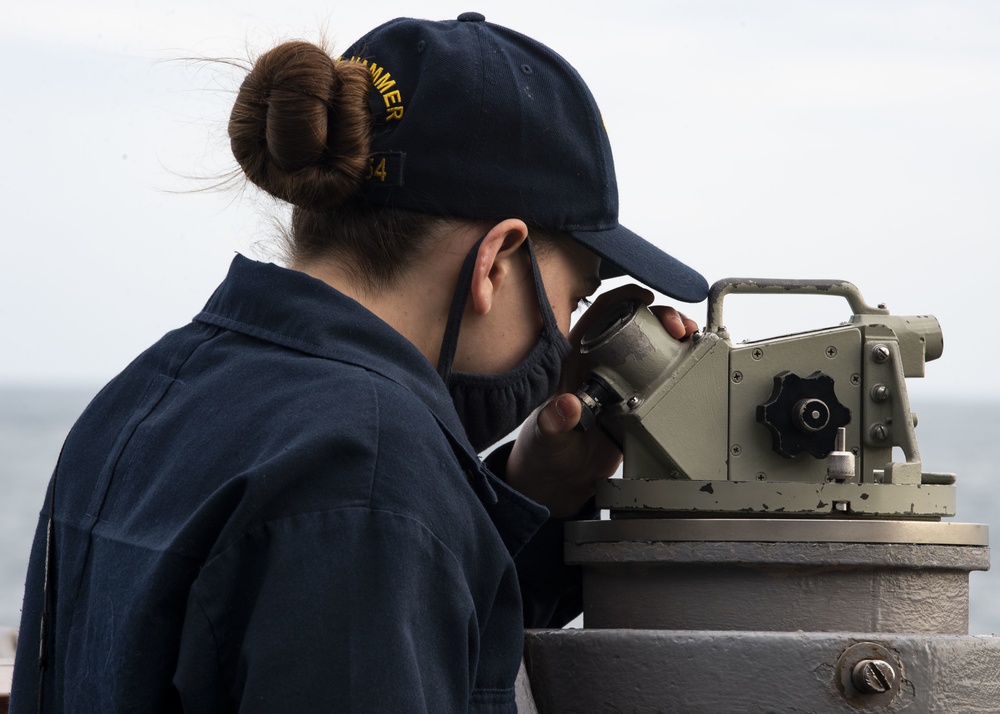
491, 406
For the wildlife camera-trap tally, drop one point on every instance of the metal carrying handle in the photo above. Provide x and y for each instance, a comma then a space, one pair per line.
778, 286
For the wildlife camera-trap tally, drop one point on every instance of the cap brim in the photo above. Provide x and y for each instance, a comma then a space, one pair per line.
623, 252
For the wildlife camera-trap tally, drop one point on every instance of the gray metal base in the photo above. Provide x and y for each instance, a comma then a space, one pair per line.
857, 576
699, 671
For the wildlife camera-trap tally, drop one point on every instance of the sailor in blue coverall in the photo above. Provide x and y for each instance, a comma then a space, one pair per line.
280, 506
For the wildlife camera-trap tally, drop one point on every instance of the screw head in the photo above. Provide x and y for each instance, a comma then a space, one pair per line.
880, 353
735, 449
879, 432
855, 379
831, 351
633, 402
757, 353
737, 377
880, 393
873, 676
869, 675
761, 476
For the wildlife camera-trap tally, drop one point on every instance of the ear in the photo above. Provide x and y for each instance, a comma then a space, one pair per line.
495, 261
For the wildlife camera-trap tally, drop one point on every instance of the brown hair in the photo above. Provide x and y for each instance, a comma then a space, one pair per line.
301, 130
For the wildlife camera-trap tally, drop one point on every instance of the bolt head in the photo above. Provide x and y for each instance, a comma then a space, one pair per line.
880, 353
873, 676
879, 432
868, 675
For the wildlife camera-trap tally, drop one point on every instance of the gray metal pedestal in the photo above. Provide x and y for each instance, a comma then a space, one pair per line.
777, 615
721, 672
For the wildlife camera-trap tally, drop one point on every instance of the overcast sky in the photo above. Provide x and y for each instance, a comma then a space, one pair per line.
852, 140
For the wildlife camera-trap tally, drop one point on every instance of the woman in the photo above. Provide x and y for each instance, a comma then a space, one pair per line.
280, 506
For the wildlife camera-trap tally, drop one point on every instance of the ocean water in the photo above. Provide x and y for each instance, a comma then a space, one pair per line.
954, 436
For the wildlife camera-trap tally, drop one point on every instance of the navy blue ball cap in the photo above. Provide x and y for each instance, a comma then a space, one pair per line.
474, 120
623, 252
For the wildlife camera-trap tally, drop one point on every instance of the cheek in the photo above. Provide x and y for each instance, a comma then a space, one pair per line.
563, 314
562, 303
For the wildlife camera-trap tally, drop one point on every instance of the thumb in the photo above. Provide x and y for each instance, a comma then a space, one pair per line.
560, 415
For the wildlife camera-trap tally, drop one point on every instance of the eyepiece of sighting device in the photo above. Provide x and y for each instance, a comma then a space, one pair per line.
593, 394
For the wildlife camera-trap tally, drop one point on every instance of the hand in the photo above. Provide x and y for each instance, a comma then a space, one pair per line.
552, 463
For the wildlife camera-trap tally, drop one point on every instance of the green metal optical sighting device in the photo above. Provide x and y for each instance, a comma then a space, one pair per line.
773, 521
784, 400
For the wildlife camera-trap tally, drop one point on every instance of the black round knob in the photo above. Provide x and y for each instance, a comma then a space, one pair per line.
803, 414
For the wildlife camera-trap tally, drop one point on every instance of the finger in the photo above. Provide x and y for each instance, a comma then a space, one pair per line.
673, 322
690, 326
559, 416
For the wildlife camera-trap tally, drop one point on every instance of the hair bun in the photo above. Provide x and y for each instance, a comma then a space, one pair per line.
301, 127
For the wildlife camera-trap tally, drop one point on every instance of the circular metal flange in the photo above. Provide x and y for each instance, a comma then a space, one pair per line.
777, 531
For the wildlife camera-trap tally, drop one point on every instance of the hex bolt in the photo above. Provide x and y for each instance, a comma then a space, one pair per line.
880, 353
880, 393
879, 432
757, 353
831, 351
873, 676
737, 377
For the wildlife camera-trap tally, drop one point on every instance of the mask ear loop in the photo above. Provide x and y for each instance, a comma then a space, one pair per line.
458, 302
544, 305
